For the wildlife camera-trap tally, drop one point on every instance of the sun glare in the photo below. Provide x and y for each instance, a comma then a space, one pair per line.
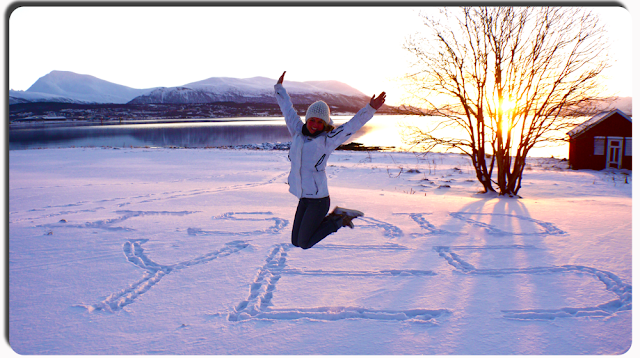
508, 106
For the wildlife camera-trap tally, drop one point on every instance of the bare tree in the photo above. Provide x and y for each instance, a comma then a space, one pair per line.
509, 78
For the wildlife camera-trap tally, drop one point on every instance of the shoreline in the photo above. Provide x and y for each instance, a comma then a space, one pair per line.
278, 146
71, 123
352, 146
89, 123
385, 143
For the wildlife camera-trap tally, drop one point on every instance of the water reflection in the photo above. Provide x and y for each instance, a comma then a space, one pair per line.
198, 135
383, 131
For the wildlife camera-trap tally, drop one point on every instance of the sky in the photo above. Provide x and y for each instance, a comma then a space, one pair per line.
145, 47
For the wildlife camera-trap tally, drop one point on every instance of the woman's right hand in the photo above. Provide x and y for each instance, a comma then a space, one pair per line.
281, 78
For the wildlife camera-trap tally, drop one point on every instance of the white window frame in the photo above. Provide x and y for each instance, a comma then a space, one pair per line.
627, 147
599, 144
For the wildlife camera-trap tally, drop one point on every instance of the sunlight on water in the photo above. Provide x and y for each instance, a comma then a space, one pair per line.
385, 131
382, 131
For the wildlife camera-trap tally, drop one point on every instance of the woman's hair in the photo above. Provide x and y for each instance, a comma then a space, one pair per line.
328, 127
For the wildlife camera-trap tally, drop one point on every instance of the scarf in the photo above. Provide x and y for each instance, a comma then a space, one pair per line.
306, 132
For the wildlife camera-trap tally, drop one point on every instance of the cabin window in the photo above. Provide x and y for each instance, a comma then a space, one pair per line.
598, 145
627, 147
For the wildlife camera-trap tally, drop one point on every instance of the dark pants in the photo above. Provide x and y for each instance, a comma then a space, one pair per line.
312, 224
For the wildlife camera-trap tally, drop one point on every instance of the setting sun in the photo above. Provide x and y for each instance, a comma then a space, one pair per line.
508, 105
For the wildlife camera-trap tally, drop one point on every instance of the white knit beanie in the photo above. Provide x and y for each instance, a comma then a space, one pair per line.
320, 110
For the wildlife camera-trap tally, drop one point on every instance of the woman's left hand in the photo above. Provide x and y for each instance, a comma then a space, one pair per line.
281, 79
376, 103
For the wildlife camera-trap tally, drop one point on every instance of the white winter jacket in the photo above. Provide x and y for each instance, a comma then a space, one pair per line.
309, 155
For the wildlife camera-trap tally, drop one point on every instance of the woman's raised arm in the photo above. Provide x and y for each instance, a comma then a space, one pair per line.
376, 103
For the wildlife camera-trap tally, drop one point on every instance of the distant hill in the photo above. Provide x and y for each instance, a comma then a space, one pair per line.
16, 97
253, 90
70, 87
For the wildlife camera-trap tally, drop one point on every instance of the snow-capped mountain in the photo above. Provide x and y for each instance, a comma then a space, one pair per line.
16, 97
70, 87
252, 90
263, 85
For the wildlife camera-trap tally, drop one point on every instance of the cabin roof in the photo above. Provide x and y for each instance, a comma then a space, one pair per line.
595, 120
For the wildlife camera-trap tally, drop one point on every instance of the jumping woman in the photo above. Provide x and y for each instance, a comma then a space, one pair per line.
311, 145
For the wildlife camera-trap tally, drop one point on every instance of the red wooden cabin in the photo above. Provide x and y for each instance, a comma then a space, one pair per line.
602, 142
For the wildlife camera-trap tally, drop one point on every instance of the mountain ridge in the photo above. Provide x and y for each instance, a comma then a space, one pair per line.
70, 87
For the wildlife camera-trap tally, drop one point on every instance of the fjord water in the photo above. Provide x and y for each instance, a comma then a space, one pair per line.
192, 134
159, 134
382, 130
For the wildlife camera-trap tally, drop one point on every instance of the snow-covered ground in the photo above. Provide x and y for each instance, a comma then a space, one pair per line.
186, 251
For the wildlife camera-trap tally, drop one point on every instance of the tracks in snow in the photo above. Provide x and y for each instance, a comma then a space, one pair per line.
611, 282
543, 227
153, 273
51, 211
278, 225
258, 304
108, 224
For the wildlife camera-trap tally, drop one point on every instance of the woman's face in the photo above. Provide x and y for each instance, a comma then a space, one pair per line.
314, 125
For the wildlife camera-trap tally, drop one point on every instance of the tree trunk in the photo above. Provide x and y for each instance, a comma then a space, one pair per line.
484, 176
515, 178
